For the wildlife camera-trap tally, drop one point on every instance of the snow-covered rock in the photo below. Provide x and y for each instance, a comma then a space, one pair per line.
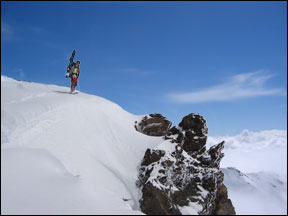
188, 175
191, 132
153, 125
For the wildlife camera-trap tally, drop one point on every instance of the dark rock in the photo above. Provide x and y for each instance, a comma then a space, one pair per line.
191, 133
192, 142
216, 155
196, 131
152, 156
178, 183
223, 205
173, 131
195, 122
158, 202
154, 125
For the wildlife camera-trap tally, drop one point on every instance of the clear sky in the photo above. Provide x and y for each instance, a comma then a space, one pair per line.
224, 60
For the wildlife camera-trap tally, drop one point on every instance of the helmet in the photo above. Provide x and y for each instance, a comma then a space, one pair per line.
77, 61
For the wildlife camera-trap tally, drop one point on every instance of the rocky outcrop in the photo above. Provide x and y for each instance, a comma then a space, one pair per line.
223, 205
153, 125
191, 133
183, 173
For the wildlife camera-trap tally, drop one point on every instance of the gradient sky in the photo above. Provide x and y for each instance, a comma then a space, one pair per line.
224, 60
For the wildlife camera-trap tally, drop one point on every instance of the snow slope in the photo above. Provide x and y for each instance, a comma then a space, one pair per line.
258, 193
63, 153
79, 154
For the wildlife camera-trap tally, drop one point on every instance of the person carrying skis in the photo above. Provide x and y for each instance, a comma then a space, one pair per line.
74, 74
73, 71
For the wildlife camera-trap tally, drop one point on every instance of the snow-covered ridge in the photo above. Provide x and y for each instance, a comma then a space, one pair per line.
79, 154
7, 79
92, 138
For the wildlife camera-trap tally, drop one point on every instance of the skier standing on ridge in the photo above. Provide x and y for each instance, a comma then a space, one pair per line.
73, 71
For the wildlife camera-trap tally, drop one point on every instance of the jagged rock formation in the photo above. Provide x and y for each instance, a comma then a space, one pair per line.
223, 205
191, 133
153, 125
183, 173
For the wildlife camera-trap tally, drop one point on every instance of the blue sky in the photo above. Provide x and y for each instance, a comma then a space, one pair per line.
224, 60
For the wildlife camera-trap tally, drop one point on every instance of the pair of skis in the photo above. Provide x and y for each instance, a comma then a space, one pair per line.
71, 59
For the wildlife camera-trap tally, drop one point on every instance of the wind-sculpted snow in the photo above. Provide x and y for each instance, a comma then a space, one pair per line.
93, 138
